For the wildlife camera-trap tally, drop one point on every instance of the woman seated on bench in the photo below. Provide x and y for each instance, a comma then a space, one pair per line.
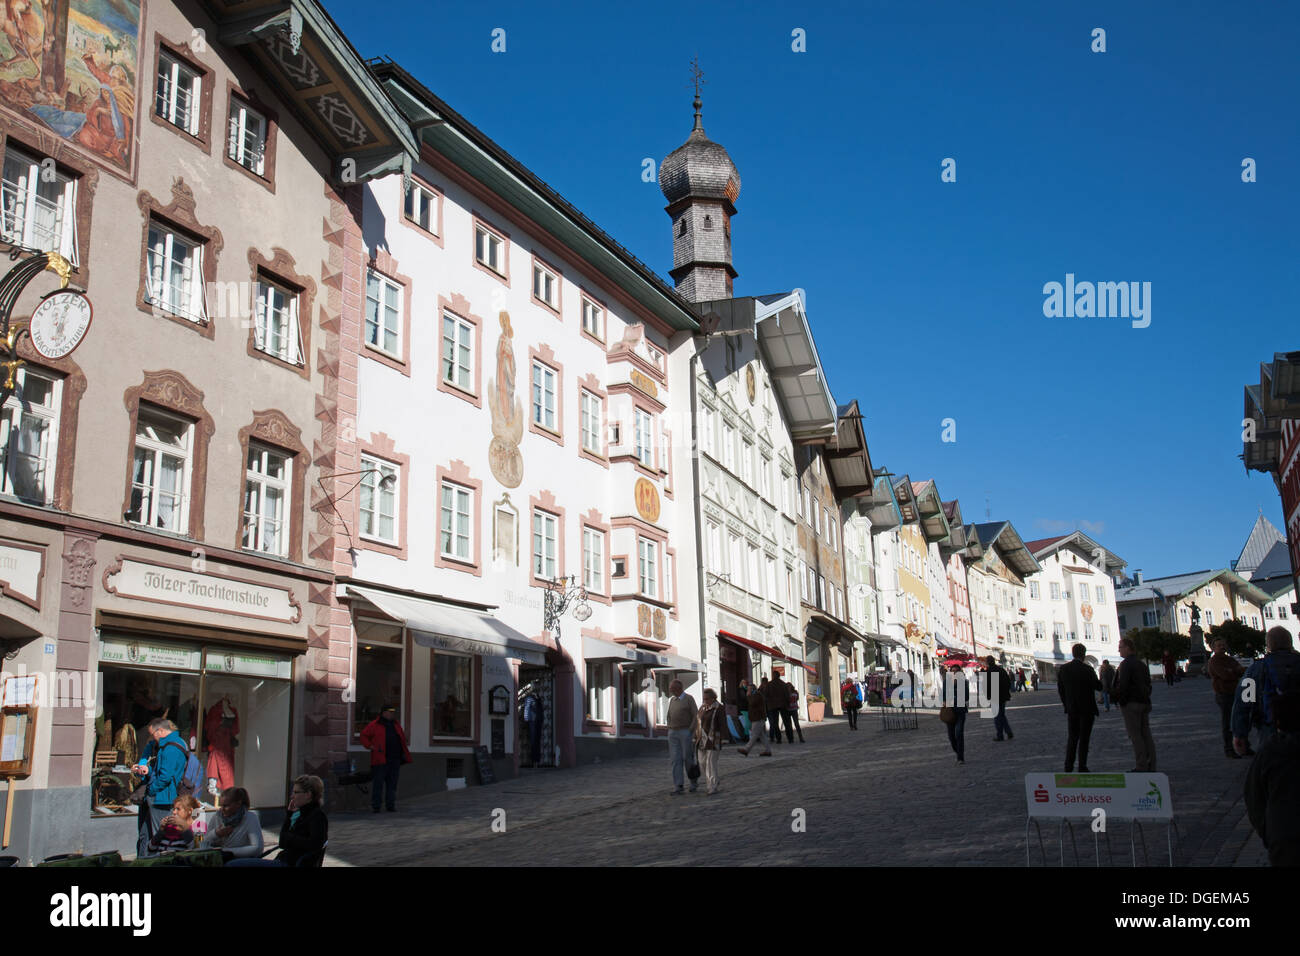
237, 831
305, 830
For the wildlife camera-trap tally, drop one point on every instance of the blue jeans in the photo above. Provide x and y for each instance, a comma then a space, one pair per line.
1105, 698
957, 734
148, 823
1000, 724
385, 773
680, 745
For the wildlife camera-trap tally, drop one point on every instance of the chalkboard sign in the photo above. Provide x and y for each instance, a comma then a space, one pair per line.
498, 738
485, 772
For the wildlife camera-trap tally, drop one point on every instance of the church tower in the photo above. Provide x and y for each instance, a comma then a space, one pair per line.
701, 185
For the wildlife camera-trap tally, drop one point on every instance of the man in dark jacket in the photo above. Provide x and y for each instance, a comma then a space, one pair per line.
1133, 694
757, 718
997, 691
388, 751
777, 698
1273, 785
1078, 685
1224, 674
1278, 669
1106, 674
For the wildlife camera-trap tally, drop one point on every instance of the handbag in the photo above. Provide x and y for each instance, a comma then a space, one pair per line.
947, 714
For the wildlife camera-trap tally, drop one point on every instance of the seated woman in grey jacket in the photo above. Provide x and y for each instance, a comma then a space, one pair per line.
237, 830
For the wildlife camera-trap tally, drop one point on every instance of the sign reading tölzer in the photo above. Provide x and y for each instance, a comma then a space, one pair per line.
207, 592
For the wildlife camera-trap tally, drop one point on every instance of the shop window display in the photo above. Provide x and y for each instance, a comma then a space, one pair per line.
379, 673
451, 694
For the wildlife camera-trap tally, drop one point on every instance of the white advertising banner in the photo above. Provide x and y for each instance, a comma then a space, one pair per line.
230, 660
1124, 796
147, 653
208, 592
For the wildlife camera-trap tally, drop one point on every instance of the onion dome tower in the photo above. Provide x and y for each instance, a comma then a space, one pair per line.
701, 184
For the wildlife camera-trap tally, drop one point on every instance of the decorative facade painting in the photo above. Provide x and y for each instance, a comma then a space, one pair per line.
504, 459
72, 67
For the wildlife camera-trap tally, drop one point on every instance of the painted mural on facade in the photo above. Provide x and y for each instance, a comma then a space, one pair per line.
504, 459
71, 66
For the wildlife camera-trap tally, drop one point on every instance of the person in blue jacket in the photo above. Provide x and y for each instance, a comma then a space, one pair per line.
163, 768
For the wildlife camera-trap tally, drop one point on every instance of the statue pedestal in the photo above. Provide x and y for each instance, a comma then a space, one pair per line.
1196, 656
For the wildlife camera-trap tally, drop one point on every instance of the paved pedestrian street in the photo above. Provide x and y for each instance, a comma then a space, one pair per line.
868, 797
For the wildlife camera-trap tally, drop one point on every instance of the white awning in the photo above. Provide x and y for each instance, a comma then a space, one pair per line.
1050, 658
664, 661
594, 649
447, 627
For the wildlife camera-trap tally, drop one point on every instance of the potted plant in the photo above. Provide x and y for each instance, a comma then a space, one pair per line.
816, 707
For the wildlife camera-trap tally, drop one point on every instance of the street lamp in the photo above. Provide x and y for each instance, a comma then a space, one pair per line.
556, 600
385, 482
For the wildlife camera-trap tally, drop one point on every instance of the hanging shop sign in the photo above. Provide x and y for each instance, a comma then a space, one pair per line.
149, 654
181, 587
59, 323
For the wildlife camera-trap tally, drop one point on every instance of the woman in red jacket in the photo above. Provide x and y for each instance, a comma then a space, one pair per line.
388, 751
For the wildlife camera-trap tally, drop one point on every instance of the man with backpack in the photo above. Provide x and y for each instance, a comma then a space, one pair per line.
1276, 673
169, 771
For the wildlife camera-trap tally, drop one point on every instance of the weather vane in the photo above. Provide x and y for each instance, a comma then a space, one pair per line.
697, 75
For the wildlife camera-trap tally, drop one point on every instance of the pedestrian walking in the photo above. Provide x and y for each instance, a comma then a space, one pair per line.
850, 702
681, 720
1106, 674
1275, 673
1273, 785
1170, 665
1225, 672
1033, 679
1133, 694
710, 725
777, 699
792, 713
1077, 684
757, 721
956, 703
997, 691
388, 751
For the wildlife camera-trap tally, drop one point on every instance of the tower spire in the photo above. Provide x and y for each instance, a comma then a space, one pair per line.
697, 77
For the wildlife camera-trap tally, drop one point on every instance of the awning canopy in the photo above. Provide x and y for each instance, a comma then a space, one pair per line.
1050, 658
752, 645
595, 649
447, 627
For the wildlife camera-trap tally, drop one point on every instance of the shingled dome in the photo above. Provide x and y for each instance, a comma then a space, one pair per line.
699, 168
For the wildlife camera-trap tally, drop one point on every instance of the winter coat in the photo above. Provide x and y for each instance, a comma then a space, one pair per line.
1133, 682
375, 736
244, 840
710, 726
1224, 673
1077, 685
166, 768
306, 837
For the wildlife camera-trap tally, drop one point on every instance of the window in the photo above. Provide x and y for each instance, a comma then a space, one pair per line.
772, 593
648, 564
830, 531
178, 97
643, 431
39, 206
266, 491
276, 331
593, 319
1083, 592
378, 675
590, 413
489, 249
747, 461
247, 140
634, 709
729, 446
1058, 631
1184, 616
1105, 633
1281, 612
655, 355
1099, 595
420, 207
545, 536
383, 315
546, 287
1040, 631
1209, 617
455, 523
160, 471
707, 425
1055, 591
175, 273
1149, 618
817, 517
378, 500
765, 476
1033, 590
1207, 592
1122, 623
544, 396
1087, 630
29, 437
593, 560
755, 576
457, 350
451, 695
599, 682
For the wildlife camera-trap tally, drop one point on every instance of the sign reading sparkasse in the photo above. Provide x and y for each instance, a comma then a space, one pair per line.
1124, 796
208, 592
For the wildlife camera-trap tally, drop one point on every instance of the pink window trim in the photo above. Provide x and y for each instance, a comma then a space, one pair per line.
505, 252
459, 306
545, 355
457, 473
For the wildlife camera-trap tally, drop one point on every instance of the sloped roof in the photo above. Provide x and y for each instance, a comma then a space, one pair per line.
1263, 536
1042, 544
1179, 585
1090, 548
1276, 563
1009, 540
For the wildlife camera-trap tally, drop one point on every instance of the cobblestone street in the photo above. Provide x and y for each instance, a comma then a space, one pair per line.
870, 797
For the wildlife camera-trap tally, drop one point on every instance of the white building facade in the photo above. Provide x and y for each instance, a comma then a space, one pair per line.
1072, 600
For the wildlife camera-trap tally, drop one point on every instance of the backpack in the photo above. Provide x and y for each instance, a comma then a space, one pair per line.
1276, 684
849, 695
191, 782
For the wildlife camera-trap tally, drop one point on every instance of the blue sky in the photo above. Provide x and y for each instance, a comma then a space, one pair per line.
926, 297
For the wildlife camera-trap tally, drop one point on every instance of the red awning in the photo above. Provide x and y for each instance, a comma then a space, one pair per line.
752, 645
798, 663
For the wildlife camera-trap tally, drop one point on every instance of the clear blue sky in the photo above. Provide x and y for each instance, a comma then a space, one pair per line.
926, 297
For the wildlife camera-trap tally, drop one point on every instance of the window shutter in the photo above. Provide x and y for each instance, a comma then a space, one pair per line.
155, 273
68, 227
196, 101
297, 333
196, 304
233, 139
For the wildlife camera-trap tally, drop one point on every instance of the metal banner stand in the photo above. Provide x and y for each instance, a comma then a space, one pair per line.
1064, 796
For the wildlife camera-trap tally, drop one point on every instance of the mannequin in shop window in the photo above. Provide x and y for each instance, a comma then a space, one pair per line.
221, 735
